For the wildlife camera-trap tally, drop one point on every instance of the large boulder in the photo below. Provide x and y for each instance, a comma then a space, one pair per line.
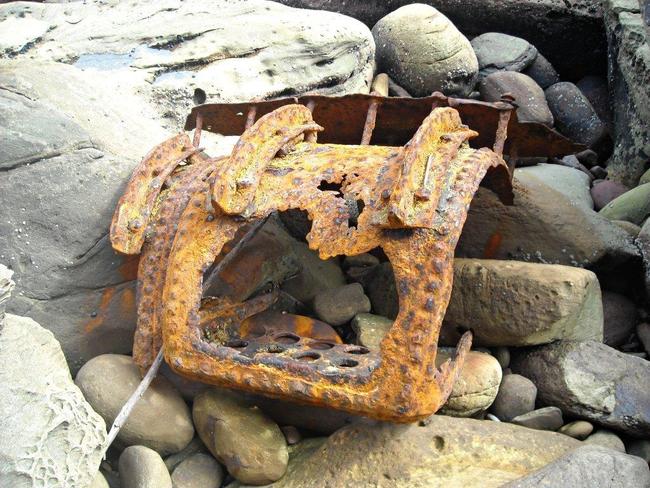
49, 434
442, 451
570, 34
424, 52
592, 381
513, 303
285, 51
547, 224
589, 466
629, 77
500, 52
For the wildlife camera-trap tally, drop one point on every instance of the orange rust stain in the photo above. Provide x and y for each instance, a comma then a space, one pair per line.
493, 245
129, 268
104, 304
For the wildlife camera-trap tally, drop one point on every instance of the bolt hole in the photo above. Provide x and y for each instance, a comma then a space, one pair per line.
286, 338
347, 363
199, 96
321, 346
358, 350
308, 356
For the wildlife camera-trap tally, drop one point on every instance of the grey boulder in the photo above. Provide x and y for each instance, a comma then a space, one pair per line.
501, 52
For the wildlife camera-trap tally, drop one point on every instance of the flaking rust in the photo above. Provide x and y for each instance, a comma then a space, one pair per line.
181, 208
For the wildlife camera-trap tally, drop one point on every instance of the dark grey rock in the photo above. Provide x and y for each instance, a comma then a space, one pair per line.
423, 51
516, 397
542, 72
596, 90
620, 318
592, 381
598, 172
340, 305
547, 418
529, 96
501, 52
379, 284
588, 157
574, 115
588, 466
643, 333
640, 448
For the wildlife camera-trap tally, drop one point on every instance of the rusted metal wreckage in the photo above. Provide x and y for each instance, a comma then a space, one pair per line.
410, 163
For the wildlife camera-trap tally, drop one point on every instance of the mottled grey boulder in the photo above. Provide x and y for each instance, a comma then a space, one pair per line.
592, 381
424, 52
588, 467
500, 52
49, 434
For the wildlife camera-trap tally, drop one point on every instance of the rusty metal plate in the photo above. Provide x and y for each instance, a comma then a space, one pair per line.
397, 121
413, 201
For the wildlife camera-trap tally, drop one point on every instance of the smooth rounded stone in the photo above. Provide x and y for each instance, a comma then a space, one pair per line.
340, 305
502, 354
645, 178
547, 418
534, 228
640, 448
598, 172
291, 434
194, 447
632, 229
516, 397
49, 434
596, 90
492, 417
99, 482
370, 329
632, 206
579, 429
477, 385
538, 303
423, 51
606, 191
501, 52
606, 438
574, 116
588, 157
241, 437
571, 182
528, 95
592, 381
542, 71
141, 467
620, 318
588, 466
643, 333
160, 420
198, 471
439, 451
572, 161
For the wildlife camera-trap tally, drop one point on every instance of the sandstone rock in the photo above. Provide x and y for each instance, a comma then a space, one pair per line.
606, 438
251, 446
588, 466
49, 435
533, 229
198, 471
141, 467
340, 305
640, 448
423, 52
476, 387
574, 115
579, 429
513, 303
501, 52
632, 206
620, 318
196, 446
547, 418
606, 191
542, 71
532, 106
442, 451
628, 75
160, 420
592, 381
516, 397
370, 329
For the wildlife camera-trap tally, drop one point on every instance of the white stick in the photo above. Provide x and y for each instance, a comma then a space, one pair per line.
121, 418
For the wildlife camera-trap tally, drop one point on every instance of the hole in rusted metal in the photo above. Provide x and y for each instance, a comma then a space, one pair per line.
353, 221
286, 338
236, 344
320, 346
308, 356
357, 350
347, 363
335, 187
